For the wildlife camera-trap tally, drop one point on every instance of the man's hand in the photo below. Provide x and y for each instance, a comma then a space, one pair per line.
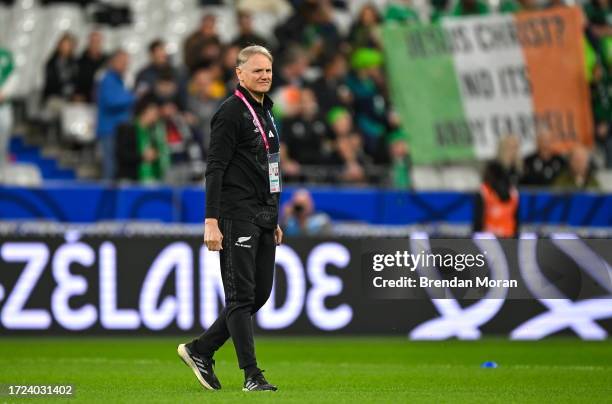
212, 235
278, 235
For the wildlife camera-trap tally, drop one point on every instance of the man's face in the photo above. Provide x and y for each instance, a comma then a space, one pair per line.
120, 62
95, 41
339, 68
245, 21
165, 88
202, 79
150, 115
309, 102
207, 27
256, 74
159, 56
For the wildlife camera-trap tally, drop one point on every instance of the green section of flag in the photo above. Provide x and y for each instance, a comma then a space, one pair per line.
425, 92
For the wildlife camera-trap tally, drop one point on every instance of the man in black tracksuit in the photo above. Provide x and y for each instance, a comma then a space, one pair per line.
242, 198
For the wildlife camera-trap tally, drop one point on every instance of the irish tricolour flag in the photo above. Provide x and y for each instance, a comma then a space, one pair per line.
462, 85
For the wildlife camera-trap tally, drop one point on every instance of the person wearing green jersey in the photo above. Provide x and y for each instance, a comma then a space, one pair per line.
516, 6
599, 31
7, 88
470, 7
142, 153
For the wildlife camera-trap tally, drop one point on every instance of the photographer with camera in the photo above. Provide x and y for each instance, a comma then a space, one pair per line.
299, 216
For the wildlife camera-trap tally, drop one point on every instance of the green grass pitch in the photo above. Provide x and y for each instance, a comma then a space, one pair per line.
317, 370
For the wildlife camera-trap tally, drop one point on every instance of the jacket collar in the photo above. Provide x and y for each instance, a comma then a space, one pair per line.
115, 74
267, 101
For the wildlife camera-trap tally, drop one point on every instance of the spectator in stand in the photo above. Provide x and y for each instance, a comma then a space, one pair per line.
599, 31
299, 216
515, 6
365, 31
141, 147
8, 82
185, 149
497, 204
166, 88
60, 75
366, 82
246, 34
304, 138
92, 59
580, 173
203, 101
194, 45
601, 100
509, 157
321, 35
287, 107
291, 32
470, 7
399, 152
543, 166
211, 53
347, 155
439, 9
598, 13
159, 63
294, 65
401, 11
331, 89
114, 101
228, 67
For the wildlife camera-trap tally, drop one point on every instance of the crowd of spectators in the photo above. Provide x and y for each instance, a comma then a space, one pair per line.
332, 102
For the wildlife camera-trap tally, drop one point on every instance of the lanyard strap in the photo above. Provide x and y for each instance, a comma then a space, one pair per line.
255, 118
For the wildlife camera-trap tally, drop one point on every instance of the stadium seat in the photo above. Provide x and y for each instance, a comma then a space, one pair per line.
426, 178
78, 122
182, 25
460, 178
65, 17
605, 180
263, 23
22, 174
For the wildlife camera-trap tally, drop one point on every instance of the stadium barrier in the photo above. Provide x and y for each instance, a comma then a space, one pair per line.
89, 203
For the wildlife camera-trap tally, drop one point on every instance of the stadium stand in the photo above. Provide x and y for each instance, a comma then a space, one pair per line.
61, 143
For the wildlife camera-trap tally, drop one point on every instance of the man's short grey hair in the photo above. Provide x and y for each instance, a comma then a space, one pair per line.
249, 51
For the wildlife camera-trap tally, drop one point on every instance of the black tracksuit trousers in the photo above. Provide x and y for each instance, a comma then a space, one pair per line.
247, 270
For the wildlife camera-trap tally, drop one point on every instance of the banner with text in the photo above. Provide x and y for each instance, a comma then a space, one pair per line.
530, 288
462, 85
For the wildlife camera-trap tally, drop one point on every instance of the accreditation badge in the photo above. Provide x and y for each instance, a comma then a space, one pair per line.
274, 172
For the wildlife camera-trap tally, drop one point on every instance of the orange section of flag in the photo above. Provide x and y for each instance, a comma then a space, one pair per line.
553, 50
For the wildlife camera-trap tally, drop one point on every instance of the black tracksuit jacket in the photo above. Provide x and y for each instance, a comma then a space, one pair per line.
237, 183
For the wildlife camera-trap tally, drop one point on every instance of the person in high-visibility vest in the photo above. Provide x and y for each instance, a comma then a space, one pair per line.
496, 209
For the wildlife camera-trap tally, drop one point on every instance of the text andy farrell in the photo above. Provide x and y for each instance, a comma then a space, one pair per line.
424, 282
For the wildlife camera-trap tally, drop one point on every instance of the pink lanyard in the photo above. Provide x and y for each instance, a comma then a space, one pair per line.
255, 117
